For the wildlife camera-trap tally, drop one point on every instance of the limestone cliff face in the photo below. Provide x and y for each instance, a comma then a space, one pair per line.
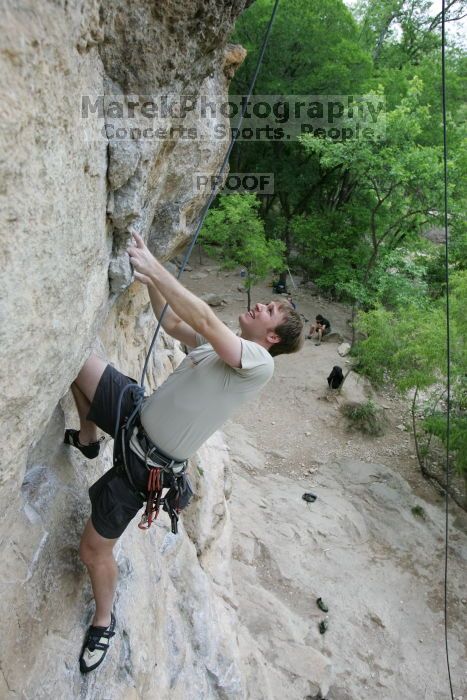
70, 196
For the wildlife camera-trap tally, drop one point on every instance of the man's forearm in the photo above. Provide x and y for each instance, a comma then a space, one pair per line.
184, 304
158, 302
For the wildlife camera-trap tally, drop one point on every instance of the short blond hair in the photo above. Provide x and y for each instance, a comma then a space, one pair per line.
290, 331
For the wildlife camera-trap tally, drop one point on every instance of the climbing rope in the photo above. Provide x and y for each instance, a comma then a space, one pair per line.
138, 390
448, 339
205, 210
215, 186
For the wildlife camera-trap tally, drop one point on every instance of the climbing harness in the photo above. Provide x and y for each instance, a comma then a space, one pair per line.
165, 472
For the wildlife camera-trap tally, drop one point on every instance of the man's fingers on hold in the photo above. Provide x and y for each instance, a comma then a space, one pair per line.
142, 278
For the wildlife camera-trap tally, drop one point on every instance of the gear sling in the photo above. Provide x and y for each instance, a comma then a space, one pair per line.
169, 473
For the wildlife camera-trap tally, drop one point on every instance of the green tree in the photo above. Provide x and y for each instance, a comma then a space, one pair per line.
407, 347
436, 424
401, 31
385, 189
234, 233
314, 50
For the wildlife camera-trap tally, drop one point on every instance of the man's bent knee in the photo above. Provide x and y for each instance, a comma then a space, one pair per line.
93, 546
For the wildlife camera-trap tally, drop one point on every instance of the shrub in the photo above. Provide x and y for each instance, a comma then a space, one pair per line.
418, 512
365, 417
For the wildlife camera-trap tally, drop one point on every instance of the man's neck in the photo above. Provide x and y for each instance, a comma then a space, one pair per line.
263, 343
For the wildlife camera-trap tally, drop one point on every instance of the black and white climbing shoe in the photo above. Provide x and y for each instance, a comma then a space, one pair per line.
96, 645
72, 438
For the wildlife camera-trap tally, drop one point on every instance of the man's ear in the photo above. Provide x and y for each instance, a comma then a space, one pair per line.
273, 338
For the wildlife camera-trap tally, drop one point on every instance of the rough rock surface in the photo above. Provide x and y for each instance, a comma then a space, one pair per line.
362, 548
213, 299
372, 544
70, 196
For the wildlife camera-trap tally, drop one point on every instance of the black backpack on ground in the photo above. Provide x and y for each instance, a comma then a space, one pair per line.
336, 377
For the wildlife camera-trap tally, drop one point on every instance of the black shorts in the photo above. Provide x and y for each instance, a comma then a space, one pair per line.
114, 502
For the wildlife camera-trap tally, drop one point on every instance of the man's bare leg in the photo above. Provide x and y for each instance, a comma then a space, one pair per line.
96, 552
87, 429
90, 375
83, 390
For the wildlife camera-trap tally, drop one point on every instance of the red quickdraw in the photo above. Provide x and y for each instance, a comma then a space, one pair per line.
154, 498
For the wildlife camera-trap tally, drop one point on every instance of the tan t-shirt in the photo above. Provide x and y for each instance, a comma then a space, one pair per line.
201, 394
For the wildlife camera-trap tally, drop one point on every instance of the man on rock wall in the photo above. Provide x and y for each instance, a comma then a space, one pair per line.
222, 371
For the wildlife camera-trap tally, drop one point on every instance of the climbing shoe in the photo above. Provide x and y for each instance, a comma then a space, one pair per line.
95, 646
90, 451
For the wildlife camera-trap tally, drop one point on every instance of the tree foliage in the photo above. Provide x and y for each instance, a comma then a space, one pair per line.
356, 214
323, 192
234, 233
408, 348
314, 49
393, 185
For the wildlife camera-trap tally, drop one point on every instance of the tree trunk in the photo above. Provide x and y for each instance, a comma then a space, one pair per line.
421, 461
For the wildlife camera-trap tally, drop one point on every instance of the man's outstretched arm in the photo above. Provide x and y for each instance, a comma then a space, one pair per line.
187, 306
171, 323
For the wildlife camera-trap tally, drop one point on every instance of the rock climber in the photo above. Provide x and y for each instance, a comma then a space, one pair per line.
221, 372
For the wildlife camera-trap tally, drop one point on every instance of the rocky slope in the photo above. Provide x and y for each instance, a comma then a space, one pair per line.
371, 545
72, 190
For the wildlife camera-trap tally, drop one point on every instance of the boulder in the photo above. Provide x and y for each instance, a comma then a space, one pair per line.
213, 299
356, 388
344, 349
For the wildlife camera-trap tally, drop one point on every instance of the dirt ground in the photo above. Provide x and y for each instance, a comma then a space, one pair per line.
292, 438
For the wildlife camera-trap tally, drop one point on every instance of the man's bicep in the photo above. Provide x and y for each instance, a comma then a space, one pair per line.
225, 343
